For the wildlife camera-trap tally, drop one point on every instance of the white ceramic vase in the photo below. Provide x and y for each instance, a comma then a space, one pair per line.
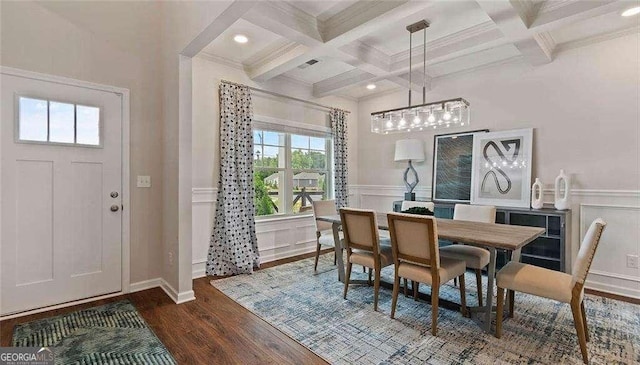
537, 200
562, 184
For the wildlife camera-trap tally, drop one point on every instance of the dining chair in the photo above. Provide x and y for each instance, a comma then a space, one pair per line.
414, 244
565, 288
475, 257
408, 204
363, 245
324, 230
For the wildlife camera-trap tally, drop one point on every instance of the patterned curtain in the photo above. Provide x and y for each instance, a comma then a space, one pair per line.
339, 130
234, 245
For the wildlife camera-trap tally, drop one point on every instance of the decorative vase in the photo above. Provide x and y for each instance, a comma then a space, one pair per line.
537, 200
562, 184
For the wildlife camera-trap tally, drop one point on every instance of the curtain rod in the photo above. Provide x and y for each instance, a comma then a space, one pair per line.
283, 96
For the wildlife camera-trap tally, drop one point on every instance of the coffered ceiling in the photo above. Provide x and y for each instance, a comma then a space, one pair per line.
356, 43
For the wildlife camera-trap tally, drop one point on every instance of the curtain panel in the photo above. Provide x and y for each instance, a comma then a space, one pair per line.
234, 246
340, 153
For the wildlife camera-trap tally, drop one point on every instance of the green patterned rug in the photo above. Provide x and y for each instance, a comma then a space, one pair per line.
309, 307
114, 333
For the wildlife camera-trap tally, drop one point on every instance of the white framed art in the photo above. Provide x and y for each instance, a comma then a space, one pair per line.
501, 172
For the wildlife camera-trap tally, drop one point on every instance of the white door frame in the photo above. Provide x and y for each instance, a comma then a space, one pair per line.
126, 216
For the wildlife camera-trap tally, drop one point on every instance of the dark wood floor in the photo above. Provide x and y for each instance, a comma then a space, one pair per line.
213, 329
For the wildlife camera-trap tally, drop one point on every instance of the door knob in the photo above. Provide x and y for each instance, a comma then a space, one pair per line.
115, 208
114, 194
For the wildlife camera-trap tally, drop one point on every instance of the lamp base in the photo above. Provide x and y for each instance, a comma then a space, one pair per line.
410, 196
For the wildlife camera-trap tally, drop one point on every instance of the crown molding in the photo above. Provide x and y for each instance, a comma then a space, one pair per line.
546, 42
549, 6
220, 60
562, 47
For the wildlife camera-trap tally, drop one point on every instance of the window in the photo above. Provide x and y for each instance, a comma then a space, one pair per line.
46, 121
290, 171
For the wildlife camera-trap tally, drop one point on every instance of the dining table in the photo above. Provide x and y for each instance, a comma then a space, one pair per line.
491, 236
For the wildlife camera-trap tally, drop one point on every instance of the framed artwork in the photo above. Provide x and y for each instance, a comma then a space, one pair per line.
501, 173
452, 162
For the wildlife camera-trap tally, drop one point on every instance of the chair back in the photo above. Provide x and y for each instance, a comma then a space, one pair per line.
323, 207
408, 204
475, 213
587, 251
414, 238
360, 229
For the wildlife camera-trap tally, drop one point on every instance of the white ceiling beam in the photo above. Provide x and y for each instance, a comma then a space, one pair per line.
513, 18
555, 14
339, 82
229, 16
327, 38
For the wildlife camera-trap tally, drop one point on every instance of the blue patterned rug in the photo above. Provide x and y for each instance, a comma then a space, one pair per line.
309, 308
114, 333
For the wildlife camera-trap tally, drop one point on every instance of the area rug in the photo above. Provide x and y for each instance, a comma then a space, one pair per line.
114, 333
309, 308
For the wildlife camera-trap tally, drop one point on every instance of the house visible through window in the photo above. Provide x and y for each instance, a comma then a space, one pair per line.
290, 171
46, 121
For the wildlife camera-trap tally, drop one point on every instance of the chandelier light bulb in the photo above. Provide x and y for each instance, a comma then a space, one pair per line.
402, 122
446, 115
416, 119
389, 124
431, 118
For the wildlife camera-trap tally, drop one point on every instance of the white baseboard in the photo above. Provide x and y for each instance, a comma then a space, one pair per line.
178, 298
145, 284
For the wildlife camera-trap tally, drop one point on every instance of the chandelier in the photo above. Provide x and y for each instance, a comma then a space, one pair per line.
439, 114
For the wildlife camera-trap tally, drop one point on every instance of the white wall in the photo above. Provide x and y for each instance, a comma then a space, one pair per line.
585, 109
112, 43
277, 238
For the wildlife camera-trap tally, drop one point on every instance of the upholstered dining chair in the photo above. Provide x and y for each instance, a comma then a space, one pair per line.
475, 257
565, 288
324, 230
414, 244
363, 245
408, 204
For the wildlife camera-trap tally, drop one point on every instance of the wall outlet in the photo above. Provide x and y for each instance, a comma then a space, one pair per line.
632, 261
170, 258
144, 181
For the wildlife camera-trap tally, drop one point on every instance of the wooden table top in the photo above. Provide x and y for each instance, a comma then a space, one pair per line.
495, 235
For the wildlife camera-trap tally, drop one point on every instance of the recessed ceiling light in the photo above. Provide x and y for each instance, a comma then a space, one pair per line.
241, 38
632, 11
371, 86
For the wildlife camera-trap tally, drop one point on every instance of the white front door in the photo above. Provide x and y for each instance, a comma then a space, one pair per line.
60, 193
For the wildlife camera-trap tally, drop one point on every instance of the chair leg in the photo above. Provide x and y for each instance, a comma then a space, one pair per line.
364, 269
463, 297
416, 288
499, 309
406, 283
584, 321
376, 290
369, 282
396, 289
335, 257
512, 298
455, 281
479, 285
577, 319
347, 278
435, 291
315, 266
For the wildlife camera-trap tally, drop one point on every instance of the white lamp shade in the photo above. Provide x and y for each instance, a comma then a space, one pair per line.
409, 149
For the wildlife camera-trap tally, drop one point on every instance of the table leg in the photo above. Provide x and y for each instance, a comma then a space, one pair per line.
338, 249
491, 273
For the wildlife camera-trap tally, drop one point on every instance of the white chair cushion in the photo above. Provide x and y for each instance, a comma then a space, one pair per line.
365, 258
475, 257
449, 269
326, 238
535, 280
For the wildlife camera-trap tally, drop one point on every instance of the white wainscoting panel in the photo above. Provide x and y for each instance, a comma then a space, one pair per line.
278, 238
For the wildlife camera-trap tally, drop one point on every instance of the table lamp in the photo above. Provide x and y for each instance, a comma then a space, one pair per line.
409, 150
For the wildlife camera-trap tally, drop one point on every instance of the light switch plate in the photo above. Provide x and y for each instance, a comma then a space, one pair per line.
144, 181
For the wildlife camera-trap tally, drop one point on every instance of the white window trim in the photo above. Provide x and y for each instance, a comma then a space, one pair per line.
292, 127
